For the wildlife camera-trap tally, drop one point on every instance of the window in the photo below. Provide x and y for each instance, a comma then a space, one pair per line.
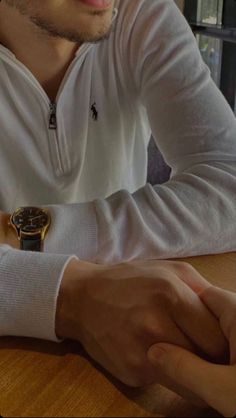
210, 12
214, 24
211, 50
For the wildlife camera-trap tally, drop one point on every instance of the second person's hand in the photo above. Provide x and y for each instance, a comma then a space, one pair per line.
215, 384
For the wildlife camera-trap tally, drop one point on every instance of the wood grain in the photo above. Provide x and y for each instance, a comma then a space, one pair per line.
40, 378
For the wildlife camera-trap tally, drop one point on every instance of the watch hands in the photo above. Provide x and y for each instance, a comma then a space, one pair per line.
36, 217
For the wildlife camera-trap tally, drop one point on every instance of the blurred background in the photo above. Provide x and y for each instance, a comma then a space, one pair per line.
213, 23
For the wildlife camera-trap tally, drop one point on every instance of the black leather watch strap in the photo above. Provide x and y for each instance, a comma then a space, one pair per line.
31, 244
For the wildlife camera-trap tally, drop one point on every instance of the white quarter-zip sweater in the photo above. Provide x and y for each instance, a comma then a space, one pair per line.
91, 146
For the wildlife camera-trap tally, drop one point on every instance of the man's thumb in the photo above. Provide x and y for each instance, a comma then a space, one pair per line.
202, 378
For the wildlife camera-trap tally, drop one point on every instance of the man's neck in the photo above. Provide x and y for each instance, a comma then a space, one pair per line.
46, 57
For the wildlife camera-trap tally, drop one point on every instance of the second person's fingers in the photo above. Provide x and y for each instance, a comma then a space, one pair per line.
215, 384
197, 322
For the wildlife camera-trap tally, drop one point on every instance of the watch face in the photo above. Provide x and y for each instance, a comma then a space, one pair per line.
30, 219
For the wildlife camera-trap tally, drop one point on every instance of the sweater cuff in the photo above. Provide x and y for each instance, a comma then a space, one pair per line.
29, 287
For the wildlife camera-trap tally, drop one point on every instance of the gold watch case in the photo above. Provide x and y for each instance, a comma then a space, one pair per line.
30, 221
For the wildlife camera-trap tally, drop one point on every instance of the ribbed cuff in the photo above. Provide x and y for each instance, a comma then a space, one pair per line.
29, 287
73, 230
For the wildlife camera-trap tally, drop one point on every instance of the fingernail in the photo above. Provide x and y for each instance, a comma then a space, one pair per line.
156, 354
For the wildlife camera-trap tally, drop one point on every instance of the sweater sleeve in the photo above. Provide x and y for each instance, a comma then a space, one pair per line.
29, 288
195, 212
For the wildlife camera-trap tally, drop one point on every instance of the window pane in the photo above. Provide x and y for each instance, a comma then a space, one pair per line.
211, 51
210, 11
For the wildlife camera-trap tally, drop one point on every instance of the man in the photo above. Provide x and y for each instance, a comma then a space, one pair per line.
83, 84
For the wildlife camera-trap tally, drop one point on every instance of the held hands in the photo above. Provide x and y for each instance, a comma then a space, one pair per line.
213, 383
119, 312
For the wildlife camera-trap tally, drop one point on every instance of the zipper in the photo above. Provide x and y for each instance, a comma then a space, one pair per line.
53, 116
60, 167
63, 163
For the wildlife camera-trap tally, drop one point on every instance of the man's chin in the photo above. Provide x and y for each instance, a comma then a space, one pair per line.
81, 38
78, 36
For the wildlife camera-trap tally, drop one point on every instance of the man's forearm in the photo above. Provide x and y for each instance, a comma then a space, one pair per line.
192, 214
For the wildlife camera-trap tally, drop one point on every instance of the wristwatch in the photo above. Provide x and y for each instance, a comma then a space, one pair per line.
31, 225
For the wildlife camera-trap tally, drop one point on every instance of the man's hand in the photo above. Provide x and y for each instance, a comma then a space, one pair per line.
119, 312
7, 234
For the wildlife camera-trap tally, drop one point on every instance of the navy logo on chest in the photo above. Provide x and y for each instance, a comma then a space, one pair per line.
94, 111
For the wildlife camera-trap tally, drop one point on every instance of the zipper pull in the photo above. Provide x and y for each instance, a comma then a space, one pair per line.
53, 116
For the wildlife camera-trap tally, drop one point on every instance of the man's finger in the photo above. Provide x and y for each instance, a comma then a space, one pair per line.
196, 321
222, 304
214, 384
218, 300
191, 277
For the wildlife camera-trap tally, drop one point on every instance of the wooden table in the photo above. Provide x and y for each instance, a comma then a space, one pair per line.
40, 378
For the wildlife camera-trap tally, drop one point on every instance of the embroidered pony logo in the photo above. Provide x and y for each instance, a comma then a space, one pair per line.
94, 111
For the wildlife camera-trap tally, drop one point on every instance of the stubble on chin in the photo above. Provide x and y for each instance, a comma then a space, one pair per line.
47, 27
21, 5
